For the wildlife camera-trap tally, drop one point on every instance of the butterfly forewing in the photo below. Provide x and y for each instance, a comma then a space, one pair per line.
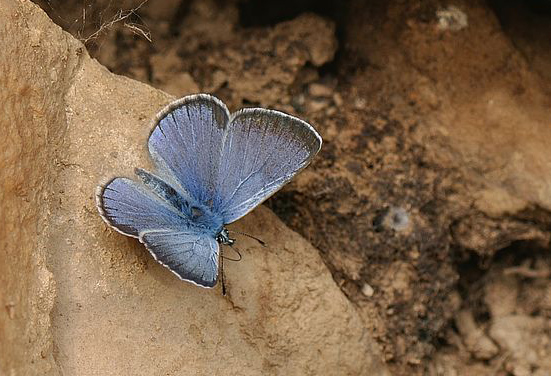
263, 150
186, 142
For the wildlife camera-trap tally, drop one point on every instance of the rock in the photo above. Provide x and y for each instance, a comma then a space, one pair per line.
486, 235
456, 137
168, 76
452, 126
519, 335
367, 290
476, 341
319, 90
37, 63
500, 295
452, 18
315, 33
108, 307
261, 65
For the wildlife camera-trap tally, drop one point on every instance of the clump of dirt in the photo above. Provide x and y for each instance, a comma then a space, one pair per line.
430, 200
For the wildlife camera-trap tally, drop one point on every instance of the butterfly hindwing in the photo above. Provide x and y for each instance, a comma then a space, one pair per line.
192, 256
173, 239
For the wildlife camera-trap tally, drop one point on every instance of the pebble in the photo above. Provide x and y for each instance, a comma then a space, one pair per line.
319, 90
367, 290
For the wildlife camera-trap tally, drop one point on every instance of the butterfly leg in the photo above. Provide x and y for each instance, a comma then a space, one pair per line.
222, 277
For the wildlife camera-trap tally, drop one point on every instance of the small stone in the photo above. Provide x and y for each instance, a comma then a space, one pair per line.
317, 105
452, 18
367, 290
181, 83
331, 111
319, 90
338, 99
360, 103
397, 219
475, 340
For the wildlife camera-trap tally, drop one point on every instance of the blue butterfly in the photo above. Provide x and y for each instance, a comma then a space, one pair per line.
211, 168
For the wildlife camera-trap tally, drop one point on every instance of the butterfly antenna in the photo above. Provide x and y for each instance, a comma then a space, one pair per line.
236, 250
262, 243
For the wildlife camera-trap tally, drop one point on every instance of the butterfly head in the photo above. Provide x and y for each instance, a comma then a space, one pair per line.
223, 237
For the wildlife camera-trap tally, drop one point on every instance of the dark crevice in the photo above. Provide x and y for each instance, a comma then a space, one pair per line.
474, 271
535, 7
285, 205
178, 18
523, 19
528, 26
257, 13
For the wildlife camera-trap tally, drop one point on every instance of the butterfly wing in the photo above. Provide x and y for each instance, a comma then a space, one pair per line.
192, 256
130, 208
186, 143
230, 162
135, 210
263, 150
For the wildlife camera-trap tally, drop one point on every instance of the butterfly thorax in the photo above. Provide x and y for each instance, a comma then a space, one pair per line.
201, 216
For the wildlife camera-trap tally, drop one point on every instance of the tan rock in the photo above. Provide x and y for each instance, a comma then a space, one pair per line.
501, 294
320, 90
37, 61
475, 340
519, 335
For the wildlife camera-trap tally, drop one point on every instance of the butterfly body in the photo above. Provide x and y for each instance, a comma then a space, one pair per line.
212, 168
197, 214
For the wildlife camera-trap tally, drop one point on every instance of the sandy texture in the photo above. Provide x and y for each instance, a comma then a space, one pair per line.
37, 61
91, 301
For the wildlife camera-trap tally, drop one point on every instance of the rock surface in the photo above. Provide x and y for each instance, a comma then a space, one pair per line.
37, 61
81, 299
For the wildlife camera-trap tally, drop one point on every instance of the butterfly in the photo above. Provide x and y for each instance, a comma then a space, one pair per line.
211, 168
